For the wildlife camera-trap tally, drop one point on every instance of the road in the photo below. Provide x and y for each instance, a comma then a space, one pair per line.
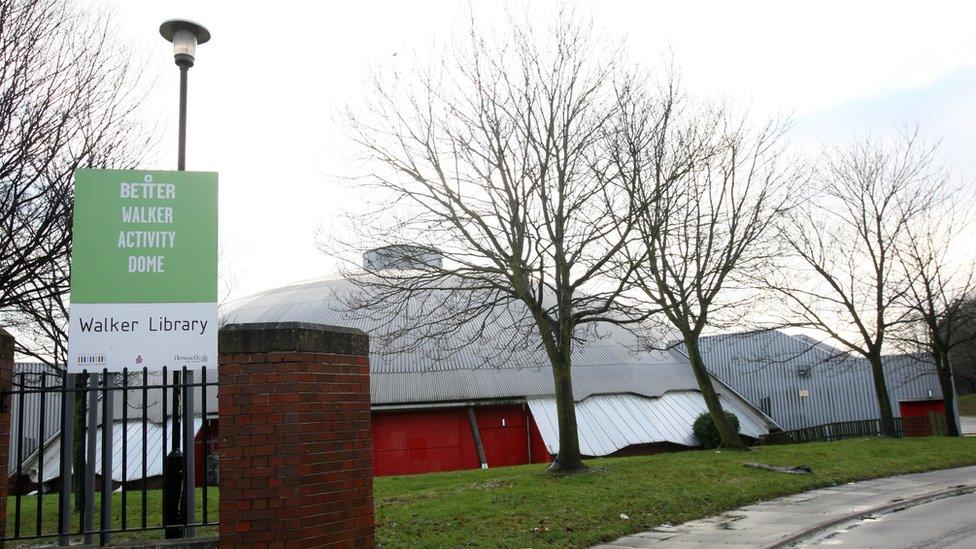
945, 523
781, 521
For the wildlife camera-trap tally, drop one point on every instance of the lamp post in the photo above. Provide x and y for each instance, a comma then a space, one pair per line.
185, 36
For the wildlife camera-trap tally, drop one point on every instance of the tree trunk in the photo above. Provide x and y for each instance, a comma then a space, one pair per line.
881, 391
944, 369
730, 438
568, 459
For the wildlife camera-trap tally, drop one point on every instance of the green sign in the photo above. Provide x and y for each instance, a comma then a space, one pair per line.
144, 237
144, 270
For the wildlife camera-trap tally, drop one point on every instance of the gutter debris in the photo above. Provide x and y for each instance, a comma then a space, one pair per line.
798, 470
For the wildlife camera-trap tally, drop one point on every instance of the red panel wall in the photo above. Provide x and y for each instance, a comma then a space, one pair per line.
916, 408
508, 433
423, 441
213, 433
503, 435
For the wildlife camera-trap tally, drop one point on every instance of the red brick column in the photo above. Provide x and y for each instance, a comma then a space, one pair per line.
295, 443
6, 384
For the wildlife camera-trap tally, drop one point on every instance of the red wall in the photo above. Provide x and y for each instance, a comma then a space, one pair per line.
917, 408
199, 463
508, 433
423, 441
418, 442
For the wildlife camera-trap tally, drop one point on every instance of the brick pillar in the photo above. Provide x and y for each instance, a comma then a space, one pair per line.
6, 384
295, 442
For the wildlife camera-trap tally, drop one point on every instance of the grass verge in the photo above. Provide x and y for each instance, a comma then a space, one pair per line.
967, 405
133, 503
526, 507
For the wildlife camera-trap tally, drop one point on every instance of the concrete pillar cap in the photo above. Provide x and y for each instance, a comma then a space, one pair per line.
300, 337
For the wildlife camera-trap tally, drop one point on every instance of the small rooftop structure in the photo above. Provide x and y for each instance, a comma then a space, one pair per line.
402, 256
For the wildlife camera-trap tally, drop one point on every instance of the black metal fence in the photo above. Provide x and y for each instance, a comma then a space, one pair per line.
921, 426
127, 437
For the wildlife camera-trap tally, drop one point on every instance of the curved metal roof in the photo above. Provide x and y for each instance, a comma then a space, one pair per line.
489, 367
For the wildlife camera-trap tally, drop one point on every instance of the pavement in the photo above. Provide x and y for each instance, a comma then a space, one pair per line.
786, 521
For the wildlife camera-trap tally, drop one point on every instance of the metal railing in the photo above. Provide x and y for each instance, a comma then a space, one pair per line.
920, 426
123, 436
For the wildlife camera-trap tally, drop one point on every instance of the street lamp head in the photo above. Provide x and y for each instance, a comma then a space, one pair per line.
185, 35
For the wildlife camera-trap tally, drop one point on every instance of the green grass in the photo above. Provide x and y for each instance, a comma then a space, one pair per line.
526, 507
154, 506
967, 405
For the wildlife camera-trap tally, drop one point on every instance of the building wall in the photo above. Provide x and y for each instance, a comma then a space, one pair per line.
440, 439
921, 408
802, 386
26, 435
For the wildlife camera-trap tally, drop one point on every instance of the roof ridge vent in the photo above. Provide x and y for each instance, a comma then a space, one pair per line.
403, 257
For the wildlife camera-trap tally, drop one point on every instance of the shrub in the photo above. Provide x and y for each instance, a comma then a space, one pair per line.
706, 433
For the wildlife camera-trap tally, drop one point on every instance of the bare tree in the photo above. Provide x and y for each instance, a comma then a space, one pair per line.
66, 102
940, 288
843, 277
42, 325
710, 192
497, 160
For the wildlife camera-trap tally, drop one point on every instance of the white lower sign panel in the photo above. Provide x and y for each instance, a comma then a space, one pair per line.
142, 335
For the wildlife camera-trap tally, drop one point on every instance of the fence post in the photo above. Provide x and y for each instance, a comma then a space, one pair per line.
295, 442
6, 384
67, 444
91, 432
189, 454
108, 447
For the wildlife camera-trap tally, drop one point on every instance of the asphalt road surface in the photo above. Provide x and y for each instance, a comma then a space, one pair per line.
944, 523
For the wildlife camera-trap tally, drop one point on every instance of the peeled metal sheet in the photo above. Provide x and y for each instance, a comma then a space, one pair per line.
156, 448
29, 373
52, 403
608, 423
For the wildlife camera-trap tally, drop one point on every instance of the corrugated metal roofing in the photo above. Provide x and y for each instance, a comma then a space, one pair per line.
608, 423
31, 435
801, 382
52, 403
155, 448
611, 362
325, 301
649, 380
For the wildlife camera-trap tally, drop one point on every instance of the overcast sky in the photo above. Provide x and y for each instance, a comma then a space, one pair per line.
267, 89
